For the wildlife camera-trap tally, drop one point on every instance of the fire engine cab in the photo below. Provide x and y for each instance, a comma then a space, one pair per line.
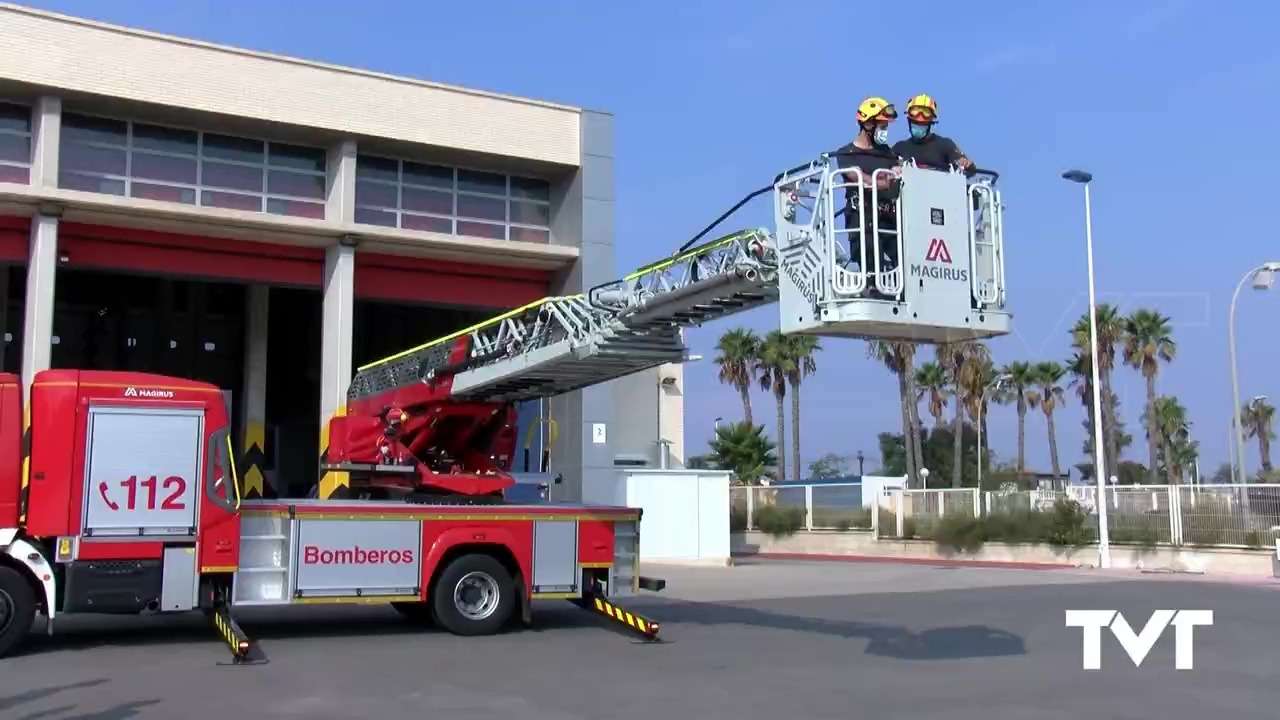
119, 494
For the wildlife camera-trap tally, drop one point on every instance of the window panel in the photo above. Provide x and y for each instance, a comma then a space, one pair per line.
527, 213
435, 176
226, 147
93, 159
297, 157
428, 201
90, 183
530, 189
295, 208
232, 177
231, 201
15, 117
427, 223
376, 168
375, 217
473, 181
172, 140
92, 129
15, 148
167, 193
376, 194
14, 174
482, 208
283, 182
164, 167
485, 230
523, 234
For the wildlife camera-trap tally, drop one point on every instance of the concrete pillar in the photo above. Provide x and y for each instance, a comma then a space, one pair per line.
46, 132
253, 403
583, 216
335, 350
42, 268
340, 200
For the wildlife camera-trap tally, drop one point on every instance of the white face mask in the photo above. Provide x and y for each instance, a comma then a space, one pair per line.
881, 136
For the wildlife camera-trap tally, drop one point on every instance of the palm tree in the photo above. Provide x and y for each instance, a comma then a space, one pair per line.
1148, 342
801, 349
961, 361
933, 385
745, 451
1256, 419
977, 396
899, 358
735, 354
774, 363
1021, 381
1110, 332
1169, 418
1049, 376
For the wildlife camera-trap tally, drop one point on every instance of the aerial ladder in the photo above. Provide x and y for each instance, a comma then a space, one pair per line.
437, 423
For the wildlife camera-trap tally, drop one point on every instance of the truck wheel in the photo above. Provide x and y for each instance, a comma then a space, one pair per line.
17, 609
474, 596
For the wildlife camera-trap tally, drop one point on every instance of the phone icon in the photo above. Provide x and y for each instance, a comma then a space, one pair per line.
102, 490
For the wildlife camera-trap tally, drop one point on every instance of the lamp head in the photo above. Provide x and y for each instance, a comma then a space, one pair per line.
1078, 176
1263, 279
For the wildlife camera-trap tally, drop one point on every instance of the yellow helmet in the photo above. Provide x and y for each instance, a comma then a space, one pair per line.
876, 107
922, 108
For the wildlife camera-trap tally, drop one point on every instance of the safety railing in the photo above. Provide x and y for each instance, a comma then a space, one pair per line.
986, 242
1181, 515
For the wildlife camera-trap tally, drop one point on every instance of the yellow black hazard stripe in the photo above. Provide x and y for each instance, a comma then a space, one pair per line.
641, 625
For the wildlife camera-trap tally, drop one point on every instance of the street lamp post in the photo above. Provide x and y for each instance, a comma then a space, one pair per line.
1262, 277
1099, 442
990, 388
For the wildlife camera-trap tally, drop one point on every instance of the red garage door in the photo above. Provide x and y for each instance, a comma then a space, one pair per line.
415, 280
15, 233
110, 248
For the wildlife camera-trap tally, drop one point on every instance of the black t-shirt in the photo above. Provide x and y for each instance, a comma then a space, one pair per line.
868, 160
934, 151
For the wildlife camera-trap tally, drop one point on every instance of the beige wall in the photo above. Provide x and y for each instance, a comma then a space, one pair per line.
76, 55
646, 410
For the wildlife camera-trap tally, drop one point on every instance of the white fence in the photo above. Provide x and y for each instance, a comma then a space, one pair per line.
1228, 515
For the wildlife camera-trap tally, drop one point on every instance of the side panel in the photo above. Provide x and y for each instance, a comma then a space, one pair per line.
178, 579
936, 247
343, 558
595, 543
53, 453
144, 472
555, 556
10, 450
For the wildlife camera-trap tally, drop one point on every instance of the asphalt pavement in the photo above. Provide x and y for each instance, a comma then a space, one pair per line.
765, 640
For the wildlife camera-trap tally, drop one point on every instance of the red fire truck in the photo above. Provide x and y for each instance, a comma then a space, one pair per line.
118, 492
130, 504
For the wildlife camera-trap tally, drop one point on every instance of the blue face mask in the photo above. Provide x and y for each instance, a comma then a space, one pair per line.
882, 136
919, 132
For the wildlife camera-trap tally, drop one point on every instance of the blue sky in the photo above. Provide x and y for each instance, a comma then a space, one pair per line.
1158, 98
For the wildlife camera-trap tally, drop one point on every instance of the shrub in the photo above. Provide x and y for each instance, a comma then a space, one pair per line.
1068, 526
737, 520
960, 533
844, 524
779, 521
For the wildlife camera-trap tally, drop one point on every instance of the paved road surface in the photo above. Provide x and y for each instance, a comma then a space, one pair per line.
767, 641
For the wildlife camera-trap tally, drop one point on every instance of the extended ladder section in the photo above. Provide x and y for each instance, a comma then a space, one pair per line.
561, 344
917, 257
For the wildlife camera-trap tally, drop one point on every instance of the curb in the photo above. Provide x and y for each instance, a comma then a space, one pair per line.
936, 562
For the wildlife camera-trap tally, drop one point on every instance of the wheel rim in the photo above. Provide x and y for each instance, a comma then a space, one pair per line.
476, 595
6, 611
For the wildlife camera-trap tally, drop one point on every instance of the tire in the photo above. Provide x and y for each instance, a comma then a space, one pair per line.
475, 595
17, 609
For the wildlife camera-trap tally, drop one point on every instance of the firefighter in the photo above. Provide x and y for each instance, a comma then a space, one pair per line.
870, 151
927, 148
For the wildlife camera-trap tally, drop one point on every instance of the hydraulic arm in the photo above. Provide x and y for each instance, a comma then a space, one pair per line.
439, 418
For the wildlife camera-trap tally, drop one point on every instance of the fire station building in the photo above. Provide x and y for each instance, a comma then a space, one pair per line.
269, 224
